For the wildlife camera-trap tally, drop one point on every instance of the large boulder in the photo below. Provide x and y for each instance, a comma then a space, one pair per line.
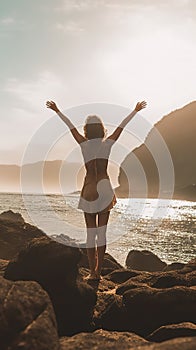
27, 319
102, 339
15, 234
55, 267
144, 261
148, 308
184, 329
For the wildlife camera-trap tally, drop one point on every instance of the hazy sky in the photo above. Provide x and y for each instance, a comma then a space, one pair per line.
79, 52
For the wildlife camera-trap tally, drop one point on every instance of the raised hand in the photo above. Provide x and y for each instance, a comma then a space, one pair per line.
140, 105
52, 105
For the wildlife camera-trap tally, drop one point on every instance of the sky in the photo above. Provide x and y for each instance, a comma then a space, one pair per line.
89, 52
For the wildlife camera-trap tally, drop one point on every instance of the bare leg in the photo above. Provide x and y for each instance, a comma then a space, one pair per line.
90, 220
101, 240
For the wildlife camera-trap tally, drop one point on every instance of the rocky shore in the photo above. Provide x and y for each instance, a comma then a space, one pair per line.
45, 302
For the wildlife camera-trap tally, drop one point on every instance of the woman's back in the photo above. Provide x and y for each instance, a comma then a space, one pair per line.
96, 154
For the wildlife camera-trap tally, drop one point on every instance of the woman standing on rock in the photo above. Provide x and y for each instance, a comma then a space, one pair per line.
97, 196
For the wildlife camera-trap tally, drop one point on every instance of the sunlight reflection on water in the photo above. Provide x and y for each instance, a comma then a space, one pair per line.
166, 227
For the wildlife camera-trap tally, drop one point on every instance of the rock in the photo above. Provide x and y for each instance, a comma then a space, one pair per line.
108, 312
184, 329
44, 260
191, 264
174, 266
172, 278
148, 308
3, 266
188, 343
27, 319
102, 339
109, 261
159, 280
168, 280
54, 266
143, 278
64, 239
121, 275
15, 234
106, 270
144, 261
10, 216
102, 285
129, 285
191, 278
189, 267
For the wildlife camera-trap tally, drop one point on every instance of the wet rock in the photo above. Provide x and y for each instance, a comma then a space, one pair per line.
144, 261
15, 234
184, 329
27, 319
54, 266
102, 339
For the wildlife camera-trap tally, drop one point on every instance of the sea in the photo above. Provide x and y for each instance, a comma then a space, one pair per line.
163, 226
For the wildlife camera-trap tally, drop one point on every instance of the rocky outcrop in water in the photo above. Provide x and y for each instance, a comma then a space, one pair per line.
144, 260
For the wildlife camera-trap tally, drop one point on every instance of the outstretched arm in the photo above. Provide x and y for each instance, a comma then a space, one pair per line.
77, 136
115, 135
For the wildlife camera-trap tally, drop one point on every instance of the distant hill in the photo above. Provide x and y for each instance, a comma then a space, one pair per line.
178, 130
51, 176
54, 176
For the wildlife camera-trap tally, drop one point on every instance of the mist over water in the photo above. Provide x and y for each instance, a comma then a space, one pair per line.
165, 227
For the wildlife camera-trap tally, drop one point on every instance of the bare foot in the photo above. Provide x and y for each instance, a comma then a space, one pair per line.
98, 275
91, 277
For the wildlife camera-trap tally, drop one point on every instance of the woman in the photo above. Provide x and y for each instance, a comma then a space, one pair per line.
97, 196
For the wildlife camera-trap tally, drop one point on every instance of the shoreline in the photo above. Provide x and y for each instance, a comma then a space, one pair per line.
193, 200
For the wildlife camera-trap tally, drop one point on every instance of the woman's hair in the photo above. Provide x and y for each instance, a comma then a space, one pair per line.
94, 128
